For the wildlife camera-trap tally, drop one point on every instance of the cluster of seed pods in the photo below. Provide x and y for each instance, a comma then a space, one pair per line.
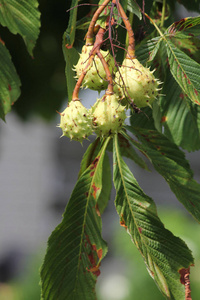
97, 70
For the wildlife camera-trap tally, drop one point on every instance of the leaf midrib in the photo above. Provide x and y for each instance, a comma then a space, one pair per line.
124, 185
101, 155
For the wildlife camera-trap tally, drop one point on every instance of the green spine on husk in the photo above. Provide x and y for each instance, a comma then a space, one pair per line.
108, 115
137, 83
75, 121
95, 78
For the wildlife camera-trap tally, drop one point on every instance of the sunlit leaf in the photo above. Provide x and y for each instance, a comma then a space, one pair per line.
185, 27
165, 255
76, 248
190, 46
147, 50
90, 155
9, 82
23, 17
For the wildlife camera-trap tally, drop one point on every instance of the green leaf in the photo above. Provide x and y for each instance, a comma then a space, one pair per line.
185, 71
191, 46
134, 8
147, 50
144, 119
9, 82
185, 27
70, 53
76, 248
165, 255
104, 196
156, 12
71, 28
156, 112
84, 22
71, 57
128, 151
90, 155
179, 116
23, 17
170, 162
152, 139
110, 11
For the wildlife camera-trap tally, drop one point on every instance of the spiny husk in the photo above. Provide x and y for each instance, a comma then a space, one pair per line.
108, 115
136, 83
76, 122
95, 78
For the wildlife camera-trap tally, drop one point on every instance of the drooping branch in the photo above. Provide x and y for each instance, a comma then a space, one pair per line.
90, 32
108, 74
98, 42
131, 44
95, 51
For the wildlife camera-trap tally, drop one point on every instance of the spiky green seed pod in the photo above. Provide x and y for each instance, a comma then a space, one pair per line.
76, 122
137, 83
95, 78
108, 115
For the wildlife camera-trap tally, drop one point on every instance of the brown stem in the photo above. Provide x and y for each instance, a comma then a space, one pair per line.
95, 49
90, 32
108, 74
80, 80
131, 44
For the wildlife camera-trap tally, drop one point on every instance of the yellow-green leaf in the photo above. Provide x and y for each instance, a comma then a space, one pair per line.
9, 81
23, 17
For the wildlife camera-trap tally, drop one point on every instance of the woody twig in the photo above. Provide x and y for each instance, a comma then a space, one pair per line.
90, 32
131, 45
95, 50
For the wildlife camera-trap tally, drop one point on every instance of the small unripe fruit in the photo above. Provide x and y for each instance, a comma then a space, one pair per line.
108, 115
76, 122
137, 83
95, 78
